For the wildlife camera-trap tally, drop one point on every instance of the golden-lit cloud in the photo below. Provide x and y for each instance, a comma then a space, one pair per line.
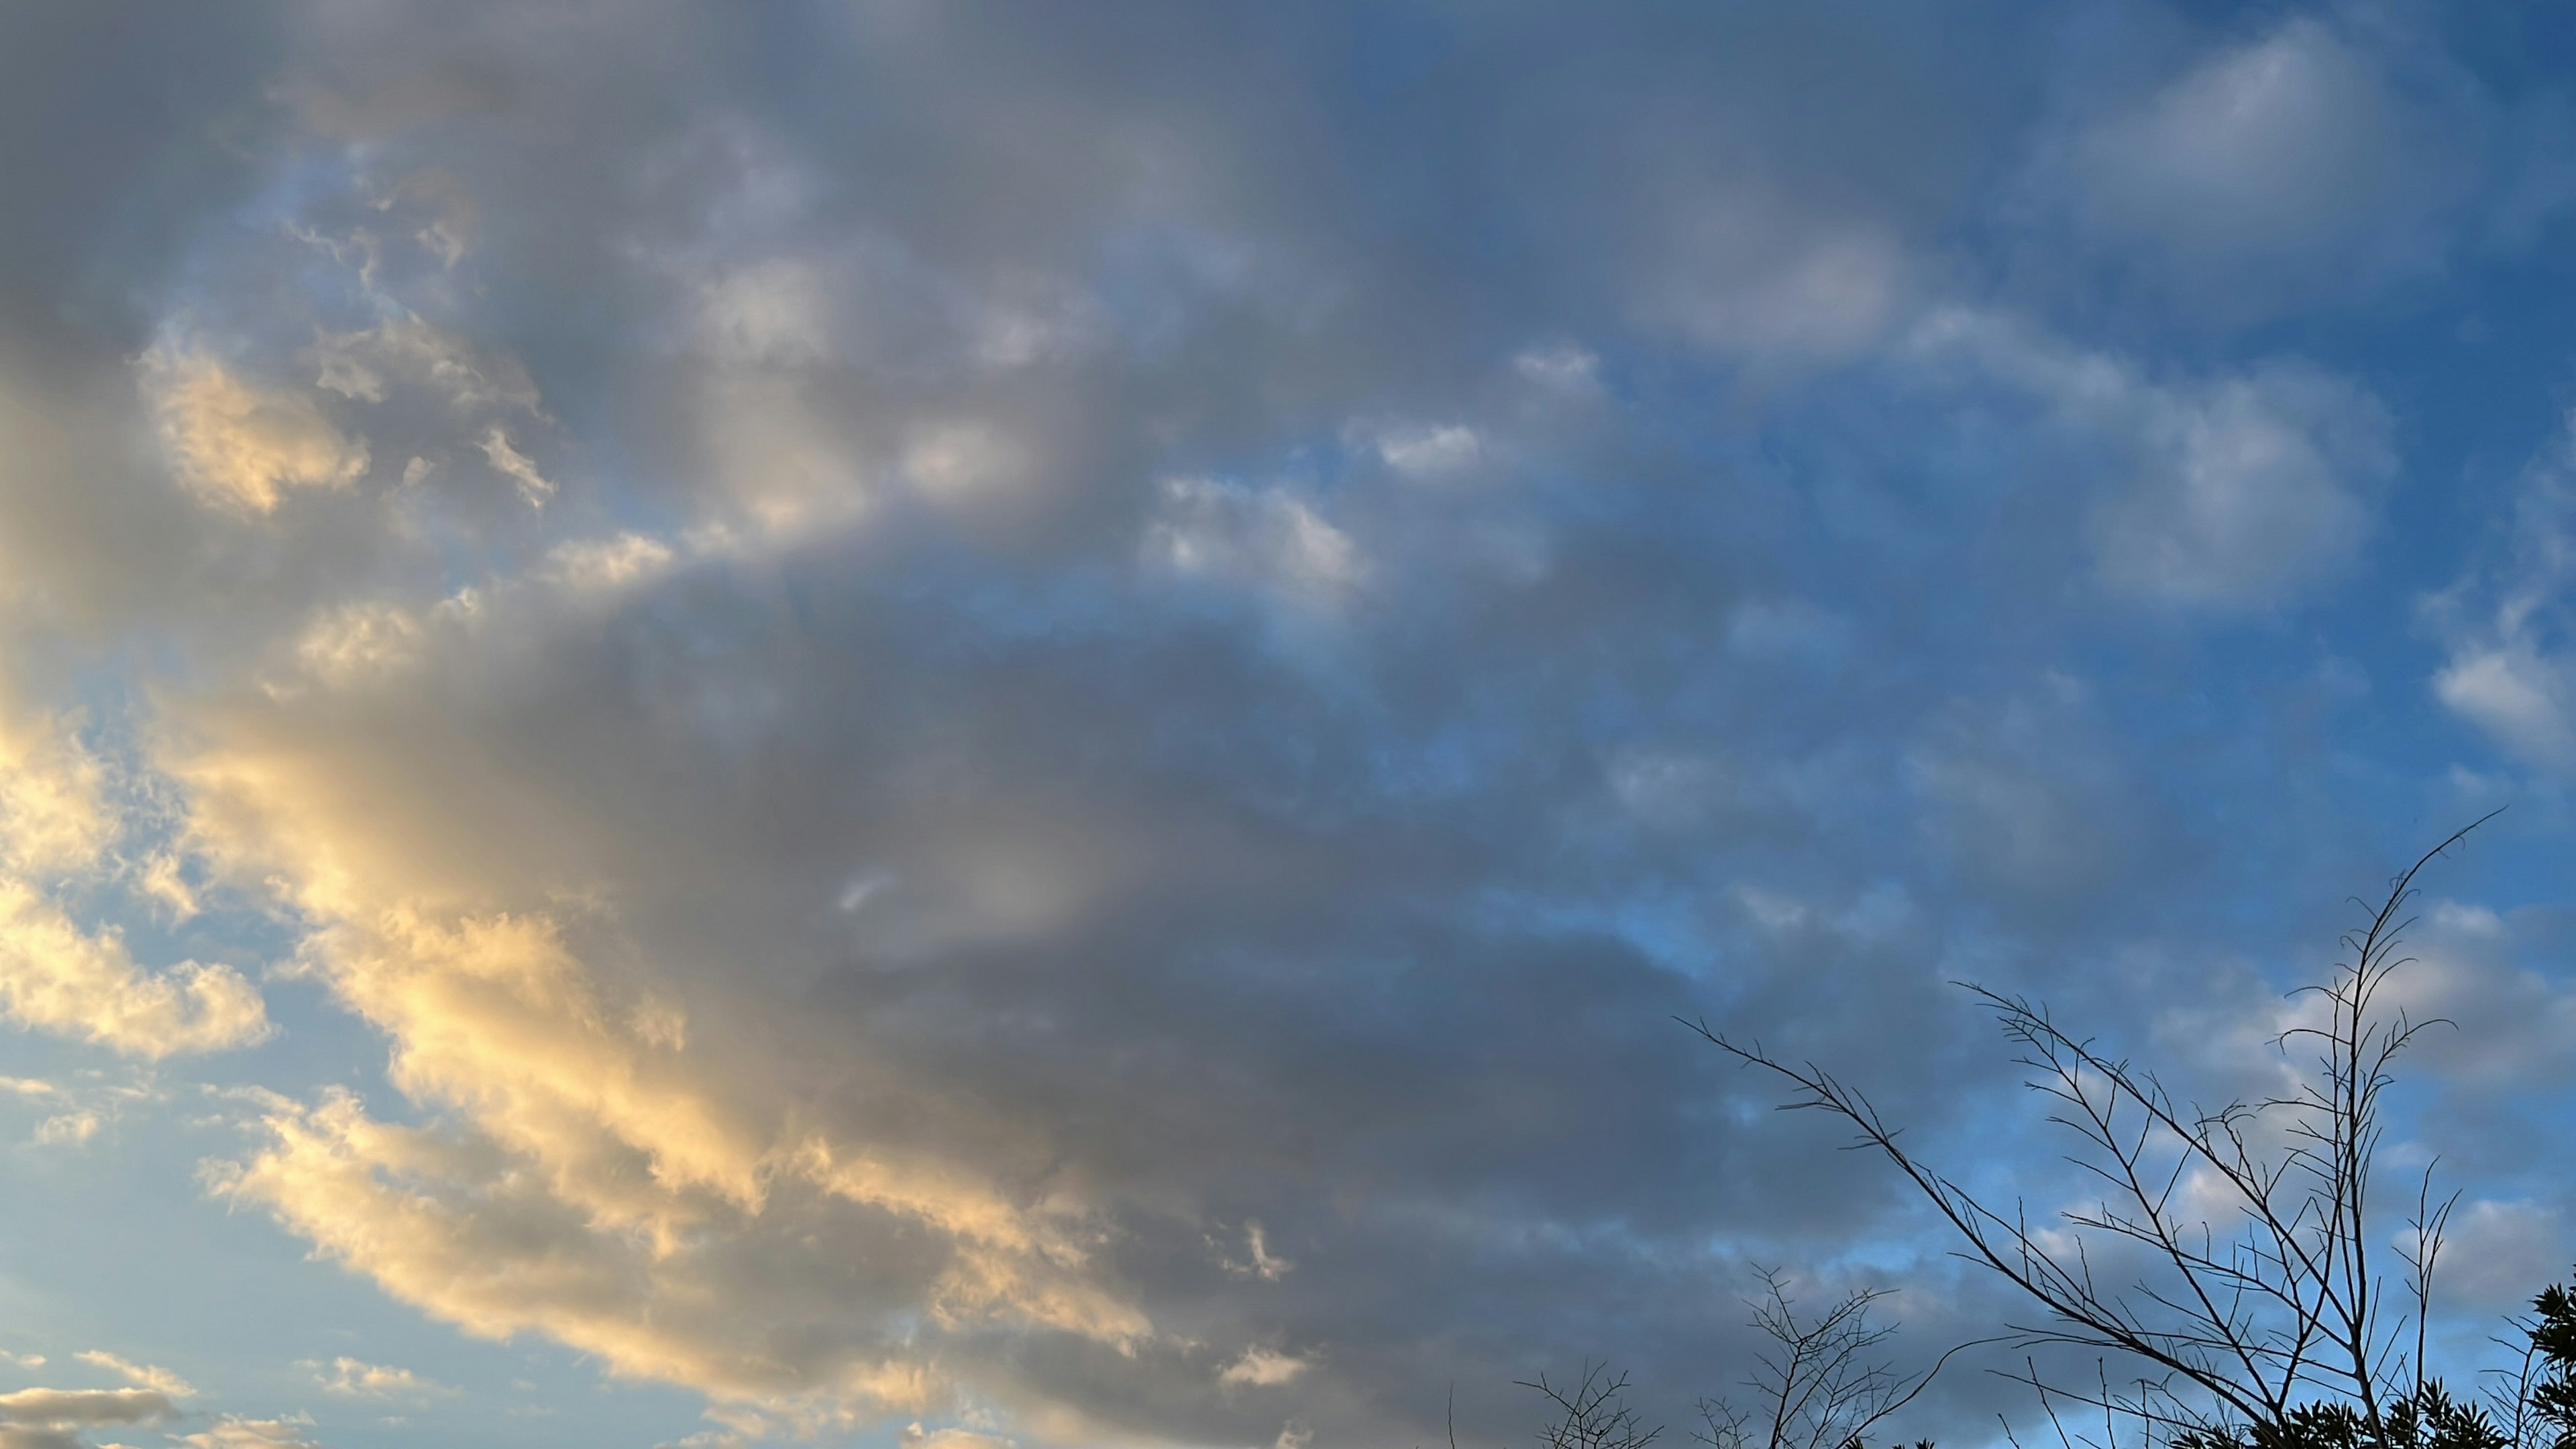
235, 1433
357, 1379
142, 1375
1264, 1368
605, 1173
55, 974
607, 1187
242, 445
58, 977
51, 815
54, 1418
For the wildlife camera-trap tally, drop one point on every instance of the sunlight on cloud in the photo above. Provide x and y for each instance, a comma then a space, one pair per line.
364, 365
602, 565
516, 466
55, 976
359, 642
608, 1188
1059, 636
233, 1433
241, 445
1263, 1368
141, 1375
358, 1379
57, 1418
786, 466
915, 1437
52, 818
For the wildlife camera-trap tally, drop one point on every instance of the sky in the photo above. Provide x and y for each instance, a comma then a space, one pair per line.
958, 725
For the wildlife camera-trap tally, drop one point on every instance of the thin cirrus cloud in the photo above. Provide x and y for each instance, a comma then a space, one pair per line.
952, 726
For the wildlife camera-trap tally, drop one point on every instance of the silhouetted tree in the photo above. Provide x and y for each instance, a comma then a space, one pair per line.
1820, 1385
1592, 1413
2234, 1256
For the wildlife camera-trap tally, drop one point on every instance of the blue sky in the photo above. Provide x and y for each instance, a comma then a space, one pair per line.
955, 725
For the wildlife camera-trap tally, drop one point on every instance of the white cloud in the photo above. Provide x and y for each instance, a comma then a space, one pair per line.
516, 466
361, 366
1263, 1264
2315, 155
1746, 271
2495, 1252
959, 463
2261, 484
1560, 366
1265, 538
2262, 145
777, 312
2509, 670
915, 1437
599, 565
1428, 450
73, 1128
359, 642
2512, 691
2232, 491
1264, 1368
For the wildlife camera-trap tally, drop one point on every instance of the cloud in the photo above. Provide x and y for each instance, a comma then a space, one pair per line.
916, 1437
609, 1180
366, 365
358, 1379
1264, 1368
2507, 670
2264, 144
159, 1380
2261, 162
1440, 449
65, 1407
1757, 284
2495, 1252
2233, 491
516, 466
52, 814
596, 565
1265, 538
233, 1433
60, 978
242, 445
1013, 826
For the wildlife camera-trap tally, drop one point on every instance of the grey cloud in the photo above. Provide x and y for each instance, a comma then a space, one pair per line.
2240, 169
1157, 619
